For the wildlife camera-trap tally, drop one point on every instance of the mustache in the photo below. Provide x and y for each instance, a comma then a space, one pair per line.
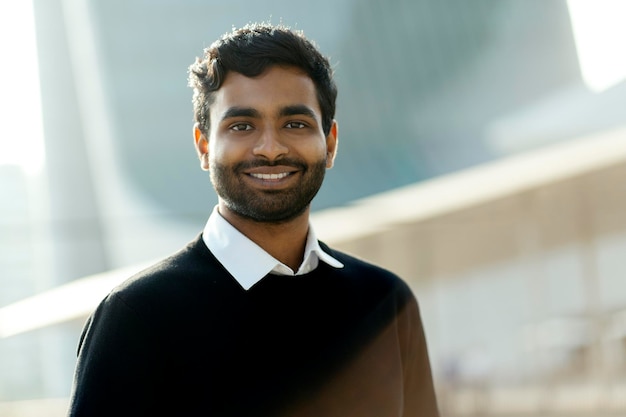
256, 163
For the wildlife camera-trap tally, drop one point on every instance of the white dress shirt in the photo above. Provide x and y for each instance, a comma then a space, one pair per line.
247, 262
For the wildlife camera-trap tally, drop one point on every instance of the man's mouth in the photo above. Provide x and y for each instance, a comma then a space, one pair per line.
270, 176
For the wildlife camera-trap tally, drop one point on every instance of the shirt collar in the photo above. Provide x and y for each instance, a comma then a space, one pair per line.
230, 246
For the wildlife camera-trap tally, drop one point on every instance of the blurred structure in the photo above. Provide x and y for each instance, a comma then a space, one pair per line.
474, 161
519, 268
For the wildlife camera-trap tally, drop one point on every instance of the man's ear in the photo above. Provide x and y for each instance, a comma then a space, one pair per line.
202, 146
331, 145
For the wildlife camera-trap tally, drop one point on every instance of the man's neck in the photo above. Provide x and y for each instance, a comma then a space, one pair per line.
285, 241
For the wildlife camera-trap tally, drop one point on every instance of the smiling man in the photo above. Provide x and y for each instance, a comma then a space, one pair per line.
256, 317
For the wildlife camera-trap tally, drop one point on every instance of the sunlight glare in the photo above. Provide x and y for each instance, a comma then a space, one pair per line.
21, 130
600, 34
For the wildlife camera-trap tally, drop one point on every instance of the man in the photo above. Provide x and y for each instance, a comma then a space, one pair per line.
256, 317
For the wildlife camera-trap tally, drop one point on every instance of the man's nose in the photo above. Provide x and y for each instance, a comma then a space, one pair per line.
270, 146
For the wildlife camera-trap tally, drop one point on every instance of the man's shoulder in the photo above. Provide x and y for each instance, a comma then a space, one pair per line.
363, 269
182, 260
185, 271
174, 293
351, 262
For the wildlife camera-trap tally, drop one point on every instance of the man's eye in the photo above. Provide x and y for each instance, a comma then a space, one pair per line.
241, 127
295, 125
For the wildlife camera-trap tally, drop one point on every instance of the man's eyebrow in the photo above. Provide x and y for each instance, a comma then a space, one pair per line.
297, 109
240, 112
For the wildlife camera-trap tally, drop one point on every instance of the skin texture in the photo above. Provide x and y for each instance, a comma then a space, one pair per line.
267, 125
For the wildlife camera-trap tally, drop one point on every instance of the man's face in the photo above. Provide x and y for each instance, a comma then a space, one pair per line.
267, 152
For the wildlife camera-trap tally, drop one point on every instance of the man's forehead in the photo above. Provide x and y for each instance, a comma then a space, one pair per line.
272, 75
277, 90
270, 68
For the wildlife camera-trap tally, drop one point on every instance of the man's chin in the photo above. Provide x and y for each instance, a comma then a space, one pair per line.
265, 215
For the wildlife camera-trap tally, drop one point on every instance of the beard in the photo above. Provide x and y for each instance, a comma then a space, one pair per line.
267, 206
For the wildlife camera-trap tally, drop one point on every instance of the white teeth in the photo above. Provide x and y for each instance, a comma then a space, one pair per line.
270, 176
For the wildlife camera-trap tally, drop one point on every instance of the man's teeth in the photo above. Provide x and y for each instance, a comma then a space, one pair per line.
270, 176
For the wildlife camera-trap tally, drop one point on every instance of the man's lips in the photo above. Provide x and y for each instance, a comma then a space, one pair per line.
270, 176
271, 173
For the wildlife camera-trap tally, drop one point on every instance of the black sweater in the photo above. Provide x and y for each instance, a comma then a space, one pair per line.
182, 338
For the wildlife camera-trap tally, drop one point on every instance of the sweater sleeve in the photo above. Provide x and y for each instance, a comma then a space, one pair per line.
115, 370
419, 392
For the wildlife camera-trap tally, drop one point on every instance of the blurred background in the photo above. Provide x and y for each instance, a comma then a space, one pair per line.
482, 156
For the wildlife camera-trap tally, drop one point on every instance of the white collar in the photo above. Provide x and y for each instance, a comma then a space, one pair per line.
231, 247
